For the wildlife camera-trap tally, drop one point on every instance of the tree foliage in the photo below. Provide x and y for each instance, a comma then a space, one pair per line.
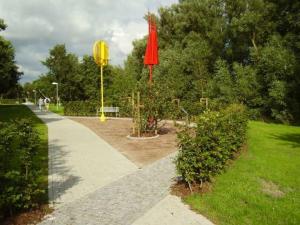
231, 51
9, 74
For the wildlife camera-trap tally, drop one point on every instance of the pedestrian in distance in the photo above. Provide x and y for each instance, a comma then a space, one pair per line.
40, 102
47, 103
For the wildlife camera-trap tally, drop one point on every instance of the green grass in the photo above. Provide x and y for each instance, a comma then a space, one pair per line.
53, 108
237, 196
17, 112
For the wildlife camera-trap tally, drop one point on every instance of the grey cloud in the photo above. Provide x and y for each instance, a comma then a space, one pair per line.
35, 26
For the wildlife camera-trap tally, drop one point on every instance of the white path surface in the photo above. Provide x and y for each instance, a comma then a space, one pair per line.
171, 211
79, 161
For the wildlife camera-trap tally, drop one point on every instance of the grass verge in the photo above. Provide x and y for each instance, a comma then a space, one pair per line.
263, 184
59, 110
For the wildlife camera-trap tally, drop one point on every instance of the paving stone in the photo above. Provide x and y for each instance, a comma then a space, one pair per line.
122, 201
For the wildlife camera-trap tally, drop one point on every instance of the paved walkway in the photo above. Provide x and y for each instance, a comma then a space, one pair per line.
121, 202
140, 198
171, 211
92, 183
79, 161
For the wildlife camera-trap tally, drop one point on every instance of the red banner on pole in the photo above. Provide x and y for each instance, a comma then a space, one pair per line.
151, 54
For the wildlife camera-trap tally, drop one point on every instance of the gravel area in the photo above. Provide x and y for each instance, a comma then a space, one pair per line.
141, 152
121, 202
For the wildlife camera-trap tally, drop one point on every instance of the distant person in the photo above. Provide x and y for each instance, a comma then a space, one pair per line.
47, 103
40, 102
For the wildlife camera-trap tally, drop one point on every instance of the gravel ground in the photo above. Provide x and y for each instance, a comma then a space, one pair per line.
140, 152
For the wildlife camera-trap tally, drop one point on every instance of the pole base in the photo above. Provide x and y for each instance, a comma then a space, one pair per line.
102, 118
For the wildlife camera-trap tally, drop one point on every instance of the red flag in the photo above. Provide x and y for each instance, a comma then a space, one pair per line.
151, 55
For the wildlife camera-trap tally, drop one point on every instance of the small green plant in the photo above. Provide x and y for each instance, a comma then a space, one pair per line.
205, 150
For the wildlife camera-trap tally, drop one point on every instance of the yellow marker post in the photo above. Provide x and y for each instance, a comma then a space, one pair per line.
101, 56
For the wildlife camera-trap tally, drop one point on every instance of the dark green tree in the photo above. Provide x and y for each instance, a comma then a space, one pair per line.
64, 68
9, 74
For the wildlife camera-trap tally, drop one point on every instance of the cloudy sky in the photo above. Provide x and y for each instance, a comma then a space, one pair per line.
35, 26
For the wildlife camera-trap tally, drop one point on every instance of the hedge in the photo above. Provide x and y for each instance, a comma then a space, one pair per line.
20, 187
205, 150
81, 108
9, 101
89, 108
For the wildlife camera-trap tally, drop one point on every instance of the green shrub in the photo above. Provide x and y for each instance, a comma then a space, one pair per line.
205, 150
20, 187
9, 101
194, 108
81, 108
125, 108
157, 104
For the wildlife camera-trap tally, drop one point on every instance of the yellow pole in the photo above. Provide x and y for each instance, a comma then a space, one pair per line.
102, 118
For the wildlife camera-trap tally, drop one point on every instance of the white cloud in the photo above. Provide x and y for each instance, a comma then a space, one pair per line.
35, 26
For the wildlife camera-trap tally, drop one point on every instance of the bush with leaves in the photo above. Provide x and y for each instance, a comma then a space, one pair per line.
20, 187
205, 150
81, 108
157, 104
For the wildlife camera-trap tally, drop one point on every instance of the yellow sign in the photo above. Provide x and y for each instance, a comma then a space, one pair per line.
100, 53
101, 56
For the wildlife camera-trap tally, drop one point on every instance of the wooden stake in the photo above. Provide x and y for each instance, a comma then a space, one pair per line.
205, 100
133, 113
138, 115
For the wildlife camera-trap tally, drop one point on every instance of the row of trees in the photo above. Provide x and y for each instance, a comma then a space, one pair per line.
78, 79
230, 51
9, 74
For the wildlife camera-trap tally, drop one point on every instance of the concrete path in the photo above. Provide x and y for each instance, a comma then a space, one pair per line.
92, 183
79, 161
139, 198
121, 202
171, 211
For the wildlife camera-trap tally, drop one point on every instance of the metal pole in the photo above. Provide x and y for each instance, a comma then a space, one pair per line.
35, 97
102, 118
150, 77
57, 96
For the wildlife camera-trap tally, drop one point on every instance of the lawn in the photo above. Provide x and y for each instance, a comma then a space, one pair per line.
54, 109
262, 186
17, 112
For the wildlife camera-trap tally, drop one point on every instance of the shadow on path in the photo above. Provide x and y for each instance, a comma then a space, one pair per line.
60, 176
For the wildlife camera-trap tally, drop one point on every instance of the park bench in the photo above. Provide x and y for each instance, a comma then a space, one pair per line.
110, 109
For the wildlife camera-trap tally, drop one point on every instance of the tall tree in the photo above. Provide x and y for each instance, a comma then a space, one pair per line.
63, 68
9, 74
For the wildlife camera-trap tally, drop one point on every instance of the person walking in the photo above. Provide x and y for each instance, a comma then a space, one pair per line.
40, 104
47, 103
